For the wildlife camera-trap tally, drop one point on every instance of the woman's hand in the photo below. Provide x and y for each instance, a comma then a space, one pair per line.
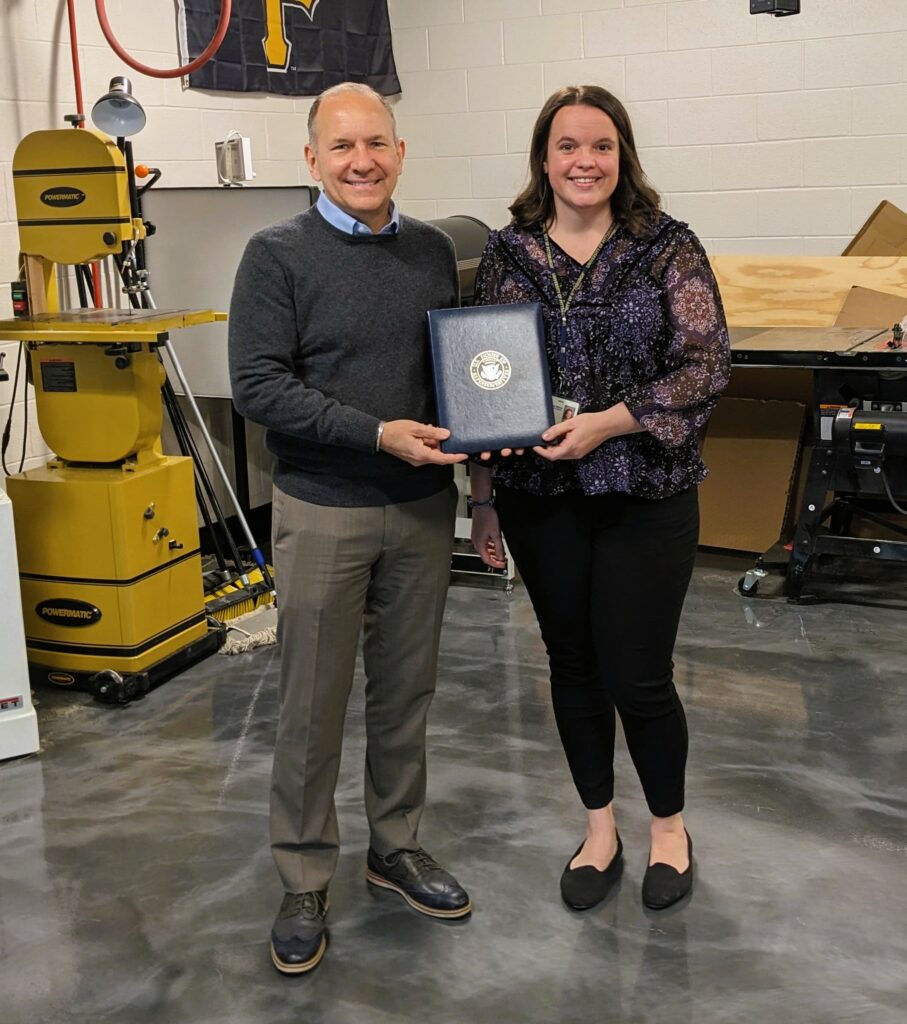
487, 539
585, 431
504, 453
577, 437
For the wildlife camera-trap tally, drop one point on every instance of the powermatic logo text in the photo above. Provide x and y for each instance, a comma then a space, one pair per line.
62, 195
61, 678
65, 611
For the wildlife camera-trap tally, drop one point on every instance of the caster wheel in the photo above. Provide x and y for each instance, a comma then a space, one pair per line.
112, 688
747, 586
109, 686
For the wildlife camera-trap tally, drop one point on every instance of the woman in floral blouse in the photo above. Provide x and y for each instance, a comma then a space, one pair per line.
603, 521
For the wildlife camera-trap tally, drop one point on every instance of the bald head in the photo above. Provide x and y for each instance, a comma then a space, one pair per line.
337, 95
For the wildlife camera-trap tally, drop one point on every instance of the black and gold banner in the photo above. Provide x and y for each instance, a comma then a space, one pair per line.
294, 47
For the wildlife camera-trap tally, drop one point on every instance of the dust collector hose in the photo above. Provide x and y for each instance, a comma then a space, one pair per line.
202, 58
76, 70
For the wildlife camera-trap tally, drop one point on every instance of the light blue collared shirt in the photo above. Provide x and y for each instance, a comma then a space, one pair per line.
341, 220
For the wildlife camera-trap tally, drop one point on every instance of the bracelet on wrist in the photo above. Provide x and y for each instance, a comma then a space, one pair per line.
487, 503
378, 436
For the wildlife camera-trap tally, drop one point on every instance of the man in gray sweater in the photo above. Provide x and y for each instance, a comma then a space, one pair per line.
329, 350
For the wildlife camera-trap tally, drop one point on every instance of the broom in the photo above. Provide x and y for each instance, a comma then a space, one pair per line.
235, 598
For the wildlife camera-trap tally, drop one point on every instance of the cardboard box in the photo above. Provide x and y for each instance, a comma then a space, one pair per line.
779, 383
752, 451
883, 234
864, 307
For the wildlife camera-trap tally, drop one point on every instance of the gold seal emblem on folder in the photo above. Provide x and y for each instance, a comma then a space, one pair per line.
490, 370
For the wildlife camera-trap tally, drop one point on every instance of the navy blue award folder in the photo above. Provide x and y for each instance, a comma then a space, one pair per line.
491, 376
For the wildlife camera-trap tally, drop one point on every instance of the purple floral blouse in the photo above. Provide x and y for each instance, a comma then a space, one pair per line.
646, 327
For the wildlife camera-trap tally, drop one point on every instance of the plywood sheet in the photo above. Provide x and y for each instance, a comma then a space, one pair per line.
800, 291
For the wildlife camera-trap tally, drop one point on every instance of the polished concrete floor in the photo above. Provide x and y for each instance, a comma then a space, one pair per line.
137, 885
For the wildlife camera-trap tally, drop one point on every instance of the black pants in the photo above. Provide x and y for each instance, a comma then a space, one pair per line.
607, 577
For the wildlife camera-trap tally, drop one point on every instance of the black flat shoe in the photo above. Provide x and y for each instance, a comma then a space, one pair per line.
585, 887
663, 886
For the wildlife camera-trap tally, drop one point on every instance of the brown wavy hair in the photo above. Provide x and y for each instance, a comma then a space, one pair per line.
634, 204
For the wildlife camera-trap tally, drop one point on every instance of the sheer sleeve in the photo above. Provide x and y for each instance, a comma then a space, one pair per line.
490, 275
680, 403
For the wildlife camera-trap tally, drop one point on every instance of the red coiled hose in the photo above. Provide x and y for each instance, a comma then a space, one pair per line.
144, 69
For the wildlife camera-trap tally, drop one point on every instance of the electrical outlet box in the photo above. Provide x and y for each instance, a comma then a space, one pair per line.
777, 8
234, 159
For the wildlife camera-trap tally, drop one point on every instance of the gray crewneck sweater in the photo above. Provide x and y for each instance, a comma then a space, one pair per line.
327, 337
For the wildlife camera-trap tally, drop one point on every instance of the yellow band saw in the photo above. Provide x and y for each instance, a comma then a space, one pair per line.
107, 532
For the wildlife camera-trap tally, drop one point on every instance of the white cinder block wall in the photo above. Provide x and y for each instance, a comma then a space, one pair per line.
766, 135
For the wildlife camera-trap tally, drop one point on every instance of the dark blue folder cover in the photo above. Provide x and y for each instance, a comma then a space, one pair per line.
491, 376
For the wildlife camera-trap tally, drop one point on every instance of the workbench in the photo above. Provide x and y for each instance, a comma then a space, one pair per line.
852, 368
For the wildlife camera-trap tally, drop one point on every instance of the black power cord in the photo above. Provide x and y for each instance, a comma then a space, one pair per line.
7, 430
894, 504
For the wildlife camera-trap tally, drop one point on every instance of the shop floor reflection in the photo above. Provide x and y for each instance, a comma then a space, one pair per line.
137, 885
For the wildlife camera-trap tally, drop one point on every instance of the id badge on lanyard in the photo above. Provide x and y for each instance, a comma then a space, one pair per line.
566, 408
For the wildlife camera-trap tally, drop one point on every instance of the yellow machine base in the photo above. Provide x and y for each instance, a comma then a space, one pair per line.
114, 686
110, 573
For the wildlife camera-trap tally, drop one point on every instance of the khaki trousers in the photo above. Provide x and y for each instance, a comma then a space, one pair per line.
383, 570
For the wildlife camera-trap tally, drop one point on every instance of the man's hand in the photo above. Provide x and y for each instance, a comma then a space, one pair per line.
486, 537
417, 443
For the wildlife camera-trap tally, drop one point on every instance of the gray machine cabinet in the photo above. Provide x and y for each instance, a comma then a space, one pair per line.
192, 259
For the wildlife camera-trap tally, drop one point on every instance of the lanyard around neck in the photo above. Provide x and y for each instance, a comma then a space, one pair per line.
564, 304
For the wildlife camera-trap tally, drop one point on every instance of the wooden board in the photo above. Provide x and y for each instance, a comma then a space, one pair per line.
800, 291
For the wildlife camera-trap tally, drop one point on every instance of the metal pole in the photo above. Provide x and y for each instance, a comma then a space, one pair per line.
257, 556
